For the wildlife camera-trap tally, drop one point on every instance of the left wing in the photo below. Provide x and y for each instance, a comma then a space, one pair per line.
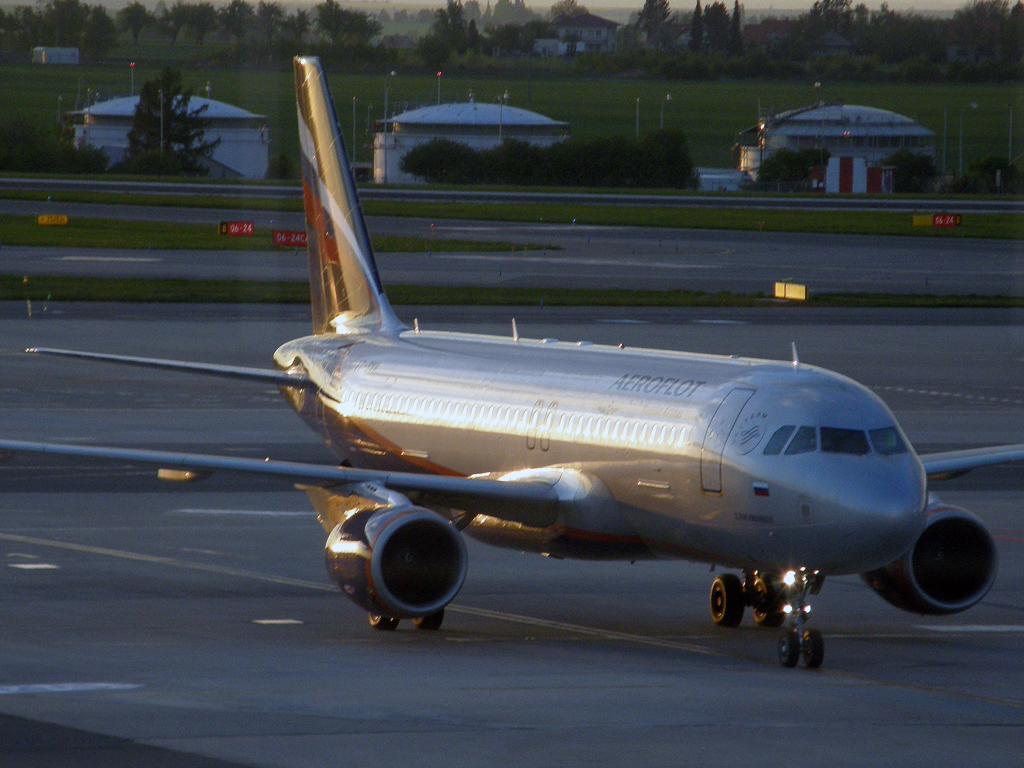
949, 464
530, 501
270, 376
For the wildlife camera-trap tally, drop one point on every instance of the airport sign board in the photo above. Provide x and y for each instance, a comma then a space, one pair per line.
236, 228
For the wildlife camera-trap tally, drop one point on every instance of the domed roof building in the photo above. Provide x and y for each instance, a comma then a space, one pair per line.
475, 124
845, 130
244, 138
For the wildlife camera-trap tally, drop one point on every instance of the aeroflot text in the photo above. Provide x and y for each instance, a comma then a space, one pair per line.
656, 385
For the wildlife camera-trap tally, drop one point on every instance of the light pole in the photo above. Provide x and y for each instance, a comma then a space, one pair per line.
387, 84
131, 67
501, 113
1009, 141
161, 94
439, 87
638, 117
59, 98
945, 121
668, 97
972, 105
353, 135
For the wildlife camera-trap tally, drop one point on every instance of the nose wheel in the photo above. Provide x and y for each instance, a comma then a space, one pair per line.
797, 642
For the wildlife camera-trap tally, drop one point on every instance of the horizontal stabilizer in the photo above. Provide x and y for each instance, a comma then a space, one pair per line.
269, 376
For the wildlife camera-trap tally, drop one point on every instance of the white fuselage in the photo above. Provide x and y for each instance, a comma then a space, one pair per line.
661, 453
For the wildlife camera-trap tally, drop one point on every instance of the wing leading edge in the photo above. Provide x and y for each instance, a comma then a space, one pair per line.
531, 502
949, 464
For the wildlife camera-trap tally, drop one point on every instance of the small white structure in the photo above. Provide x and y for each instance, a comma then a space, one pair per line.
47, 55
721, 179
845, 130
477, 125
244, 138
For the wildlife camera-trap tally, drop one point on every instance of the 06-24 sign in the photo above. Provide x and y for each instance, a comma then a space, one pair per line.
236, 228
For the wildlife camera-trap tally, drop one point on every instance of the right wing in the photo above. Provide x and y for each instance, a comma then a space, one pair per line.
950, 464
530, 501
269, 376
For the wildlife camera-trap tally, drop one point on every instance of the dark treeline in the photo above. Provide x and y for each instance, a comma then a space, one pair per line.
982, 41
659, 159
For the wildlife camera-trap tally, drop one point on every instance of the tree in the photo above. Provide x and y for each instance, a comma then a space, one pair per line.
183, 146
911, 172
736, 30
566, 9
174, 19
66, 19
343, 26
296, 26
450, 25
100, 32
268, 20
697, 29
202, 17
235, 19
434, 51
716, 26
784, 166
134, 18
654, 21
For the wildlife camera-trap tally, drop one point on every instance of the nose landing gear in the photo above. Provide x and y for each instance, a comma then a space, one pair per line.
797, 642
774, 599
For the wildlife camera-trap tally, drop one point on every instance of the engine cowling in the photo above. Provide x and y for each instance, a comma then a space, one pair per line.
951, 566
404, 562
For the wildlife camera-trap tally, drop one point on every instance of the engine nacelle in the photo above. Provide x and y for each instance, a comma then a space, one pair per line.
951, 566
402, 562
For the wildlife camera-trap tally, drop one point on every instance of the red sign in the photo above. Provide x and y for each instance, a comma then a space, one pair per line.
946, 220
289, 237
236, 228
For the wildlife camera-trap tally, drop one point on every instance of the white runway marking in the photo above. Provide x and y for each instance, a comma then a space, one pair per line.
119, 259
34, 566
12, 690
979, 628
239, 512
276, 622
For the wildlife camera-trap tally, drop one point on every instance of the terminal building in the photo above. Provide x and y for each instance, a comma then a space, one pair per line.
244, 138
477, 125
864, 134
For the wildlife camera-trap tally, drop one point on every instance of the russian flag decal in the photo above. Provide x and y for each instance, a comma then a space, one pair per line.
761, 489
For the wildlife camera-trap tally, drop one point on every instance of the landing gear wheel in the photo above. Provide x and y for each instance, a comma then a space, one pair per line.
765, 600
727, 601
812, 648
789, 648
382, 623
430, 623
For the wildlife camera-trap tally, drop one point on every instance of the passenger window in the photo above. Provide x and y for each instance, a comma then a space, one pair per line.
853, 441
804, 441
887, 441
778, 441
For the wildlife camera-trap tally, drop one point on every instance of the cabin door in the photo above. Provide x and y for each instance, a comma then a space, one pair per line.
719, 427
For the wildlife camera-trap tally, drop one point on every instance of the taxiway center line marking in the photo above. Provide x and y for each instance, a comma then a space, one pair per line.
127, 259
12, 690
970, 628
33, 566
485, 613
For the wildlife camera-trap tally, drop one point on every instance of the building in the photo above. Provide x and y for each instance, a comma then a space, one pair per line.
47, 55
244, 138
845, 130
478, 125
596, 35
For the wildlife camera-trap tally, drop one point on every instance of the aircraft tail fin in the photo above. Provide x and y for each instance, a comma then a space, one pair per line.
345, 288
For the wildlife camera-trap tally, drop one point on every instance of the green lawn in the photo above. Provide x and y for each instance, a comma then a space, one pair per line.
711, 113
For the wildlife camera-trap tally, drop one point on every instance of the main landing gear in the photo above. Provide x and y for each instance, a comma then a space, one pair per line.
429, 623
774, 600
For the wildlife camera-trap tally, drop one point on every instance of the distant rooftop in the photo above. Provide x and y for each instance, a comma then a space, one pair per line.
473, 114
125, 107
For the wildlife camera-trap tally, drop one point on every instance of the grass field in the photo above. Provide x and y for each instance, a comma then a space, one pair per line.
81, 232
711, 113
36, 291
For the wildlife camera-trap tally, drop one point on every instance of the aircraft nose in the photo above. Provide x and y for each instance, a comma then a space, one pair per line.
887, 510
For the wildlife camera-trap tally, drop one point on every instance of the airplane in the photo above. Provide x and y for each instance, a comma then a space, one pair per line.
783, 472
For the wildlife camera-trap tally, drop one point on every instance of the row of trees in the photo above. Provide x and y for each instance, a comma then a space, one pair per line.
658, 159
59, 23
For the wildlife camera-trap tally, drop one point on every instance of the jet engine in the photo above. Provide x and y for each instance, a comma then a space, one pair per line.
950, 567
404, 562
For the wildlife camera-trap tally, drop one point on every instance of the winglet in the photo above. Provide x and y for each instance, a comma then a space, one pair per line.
345, 288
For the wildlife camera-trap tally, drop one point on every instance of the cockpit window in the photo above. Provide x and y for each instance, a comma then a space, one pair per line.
835, 440
887, 441
778, 441
805, 441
